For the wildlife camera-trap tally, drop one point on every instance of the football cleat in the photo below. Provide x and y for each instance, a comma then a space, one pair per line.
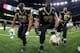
78, 48
64, 42
41, 49
23, 48
12, 33
12, 37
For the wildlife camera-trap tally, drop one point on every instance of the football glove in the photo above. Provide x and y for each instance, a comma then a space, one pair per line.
27, 33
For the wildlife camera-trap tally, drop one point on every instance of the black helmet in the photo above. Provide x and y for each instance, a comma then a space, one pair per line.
47, 4
21, 5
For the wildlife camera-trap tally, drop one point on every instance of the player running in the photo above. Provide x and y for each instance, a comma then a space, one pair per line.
25, 19
48, 19
65, 17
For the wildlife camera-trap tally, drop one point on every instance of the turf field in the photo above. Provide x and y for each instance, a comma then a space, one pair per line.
8, 45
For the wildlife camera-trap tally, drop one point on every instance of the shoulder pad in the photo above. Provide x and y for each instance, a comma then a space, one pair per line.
69, 12
27, 8
61, 12
40, 9
53, 8
16, 14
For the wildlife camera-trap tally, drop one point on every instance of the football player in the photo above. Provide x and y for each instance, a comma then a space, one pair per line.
65, 17
36, 21
48, 18
25, 19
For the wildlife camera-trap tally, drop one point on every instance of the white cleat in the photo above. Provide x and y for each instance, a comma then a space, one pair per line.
11, 37
78, 48
23, 48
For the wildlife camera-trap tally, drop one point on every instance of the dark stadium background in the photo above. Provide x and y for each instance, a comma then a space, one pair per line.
74, 7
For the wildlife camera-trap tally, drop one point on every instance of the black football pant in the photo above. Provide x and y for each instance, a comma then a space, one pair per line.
64, 29
21, 33
43, 29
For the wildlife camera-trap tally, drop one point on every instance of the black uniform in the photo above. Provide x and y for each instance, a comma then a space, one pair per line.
65, 17
23, 20
46, 21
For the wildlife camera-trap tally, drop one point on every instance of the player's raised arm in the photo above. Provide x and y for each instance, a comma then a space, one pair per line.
56, 20
60, 17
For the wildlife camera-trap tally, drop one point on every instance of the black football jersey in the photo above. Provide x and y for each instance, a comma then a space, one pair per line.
46, 17
65, 15
23, 16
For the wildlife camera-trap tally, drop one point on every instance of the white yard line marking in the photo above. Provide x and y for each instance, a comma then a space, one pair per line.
4, 35
9, 35
3, 27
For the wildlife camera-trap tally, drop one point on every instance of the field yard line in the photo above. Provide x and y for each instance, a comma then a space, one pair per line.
3, 27
9, 35
4, 35
33, 36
